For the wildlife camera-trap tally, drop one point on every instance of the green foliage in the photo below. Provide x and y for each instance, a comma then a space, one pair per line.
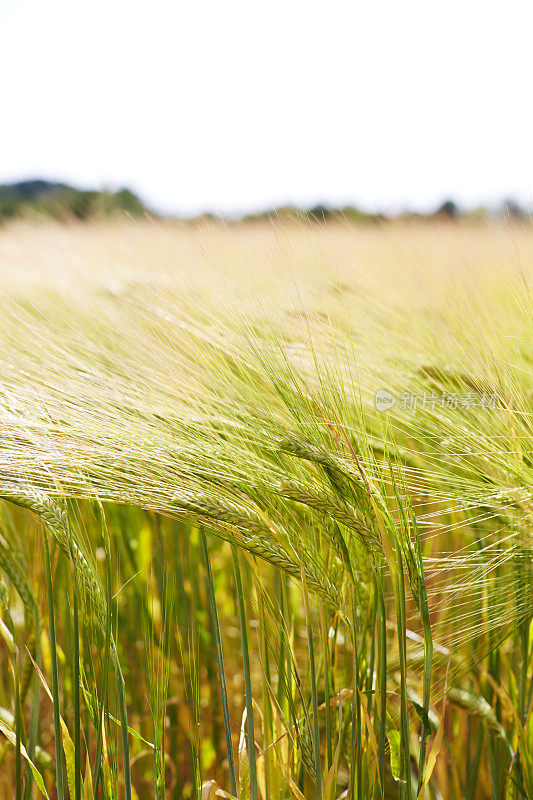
340, 596
62, 202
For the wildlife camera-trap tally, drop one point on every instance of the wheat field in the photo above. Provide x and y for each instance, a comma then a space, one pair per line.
266, 517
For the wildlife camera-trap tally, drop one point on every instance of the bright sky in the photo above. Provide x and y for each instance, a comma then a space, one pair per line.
231, 106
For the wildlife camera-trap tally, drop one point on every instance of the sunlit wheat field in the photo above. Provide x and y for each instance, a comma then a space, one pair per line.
266, 518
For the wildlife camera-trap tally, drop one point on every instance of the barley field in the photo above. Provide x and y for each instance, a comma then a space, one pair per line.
266, 518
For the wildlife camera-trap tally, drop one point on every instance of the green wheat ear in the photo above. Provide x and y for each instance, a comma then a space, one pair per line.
54, 517
254, 417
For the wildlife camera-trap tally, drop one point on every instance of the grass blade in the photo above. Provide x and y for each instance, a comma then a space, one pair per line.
254, 791
76, 682
220, 659
314, 692
60, 785
123, 726
382, 681
107, 648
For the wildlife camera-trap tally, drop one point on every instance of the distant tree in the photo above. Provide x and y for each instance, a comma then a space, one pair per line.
125, 200
353, 214
448, 209
62, 202
8, 207
320, 212
478, 214
26, 191
206, 217
513, 209
81, 204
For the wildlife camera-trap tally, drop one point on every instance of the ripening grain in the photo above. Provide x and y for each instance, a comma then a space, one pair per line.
241, 537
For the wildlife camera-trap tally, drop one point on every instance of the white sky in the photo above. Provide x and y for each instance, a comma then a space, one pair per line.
230, 106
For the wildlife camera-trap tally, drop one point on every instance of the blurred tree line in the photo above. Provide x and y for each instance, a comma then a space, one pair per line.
446, 211
62, 202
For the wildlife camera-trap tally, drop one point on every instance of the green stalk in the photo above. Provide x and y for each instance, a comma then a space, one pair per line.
523, 648
220, 658
530, 691
314, 694
495, 782
428, 658
76, 684
123, 726
60, 786
473, 771
99, 733
382, 680
254, 790
371, 661
327, 695
77, 711
19, 725
18, 719
282, 678
357, 776
524, 661
268, 733
399, 592
35, 716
